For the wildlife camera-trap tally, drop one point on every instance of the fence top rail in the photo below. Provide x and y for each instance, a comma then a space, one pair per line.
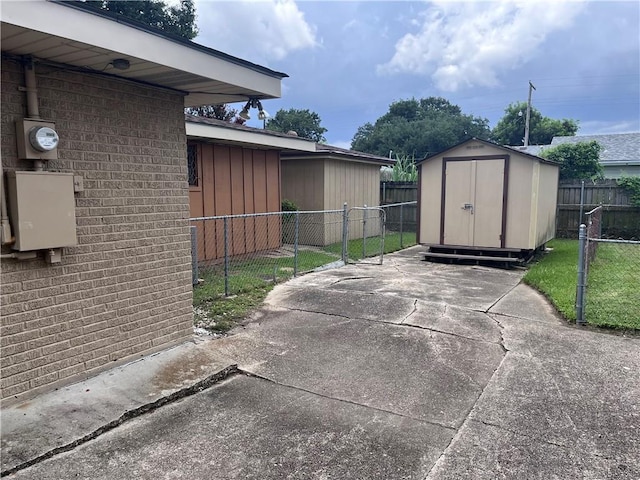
594, 210
611, 240
414, 202
261, 214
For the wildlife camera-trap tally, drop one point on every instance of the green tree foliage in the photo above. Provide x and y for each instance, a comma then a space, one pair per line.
219, 112
510, 129
177, 20
578, 161
419, 128
304, 122
632, 186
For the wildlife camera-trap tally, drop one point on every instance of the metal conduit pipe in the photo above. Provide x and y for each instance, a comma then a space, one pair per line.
33, 110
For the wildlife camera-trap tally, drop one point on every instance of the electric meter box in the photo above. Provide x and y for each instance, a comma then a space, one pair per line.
43, 210
37, 139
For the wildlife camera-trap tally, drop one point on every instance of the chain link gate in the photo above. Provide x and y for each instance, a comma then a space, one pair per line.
363, 237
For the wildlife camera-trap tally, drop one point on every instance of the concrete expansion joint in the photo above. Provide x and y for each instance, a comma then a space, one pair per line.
323, 313
342, 400
198, 387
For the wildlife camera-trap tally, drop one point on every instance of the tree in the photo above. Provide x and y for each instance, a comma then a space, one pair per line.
304, 122
578, 161
418, 128
510, 128
219, 112
177, 20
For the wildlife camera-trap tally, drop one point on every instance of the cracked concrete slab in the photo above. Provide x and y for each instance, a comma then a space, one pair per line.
419, 373
60, 417
385, 308
248, 428
484, 451
524, 302
456, 321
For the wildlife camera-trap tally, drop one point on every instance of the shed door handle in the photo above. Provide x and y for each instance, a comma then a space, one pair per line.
468, 206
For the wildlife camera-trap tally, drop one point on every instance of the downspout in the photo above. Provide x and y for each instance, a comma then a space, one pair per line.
32, 99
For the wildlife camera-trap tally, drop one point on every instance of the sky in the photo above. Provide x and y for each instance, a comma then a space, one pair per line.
348, 61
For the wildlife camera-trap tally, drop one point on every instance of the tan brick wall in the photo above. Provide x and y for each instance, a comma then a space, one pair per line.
125, 290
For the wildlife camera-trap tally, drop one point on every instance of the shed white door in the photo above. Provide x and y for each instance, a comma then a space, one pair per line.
473, 202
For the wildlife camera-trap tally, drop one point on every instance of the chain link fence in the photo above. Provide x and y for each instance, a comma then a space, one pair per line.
234, 254
608, 277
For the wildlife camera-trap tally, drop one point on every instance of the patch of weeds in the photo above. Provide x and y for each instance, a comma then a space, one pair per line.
249, 281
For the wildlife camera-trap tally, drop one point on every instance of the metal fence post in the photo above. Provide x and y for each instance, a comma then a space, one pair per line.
383, 221
194, 255
364, 232
345, 234
295, 244
226, 256
581, 203
580, 293
401, 244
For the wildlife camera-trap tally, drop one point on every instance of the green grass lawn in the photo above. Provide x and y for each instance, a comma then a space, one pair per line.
555, 275
613, 292
613, 288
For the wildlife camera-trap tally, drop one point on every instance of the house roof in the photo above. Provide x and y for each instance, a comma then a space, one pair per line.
617, 149
209, 129
74, 34
292, 146
509, 150
530, 149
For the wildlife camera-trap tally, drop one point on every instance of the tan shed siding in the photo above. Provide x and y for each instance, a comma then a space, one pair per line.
430, 200
547, 203
303, 183
357, 184
125, 290
519, 203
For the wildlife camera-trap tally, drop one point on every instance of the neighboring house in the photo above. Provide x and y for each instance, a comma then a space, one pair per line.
327, 179
620, 154
479, 199
100, 267
234, 169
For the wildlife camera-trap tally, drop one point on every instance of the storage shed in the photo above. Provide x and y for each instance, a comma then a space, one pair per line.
483, 200
326, 179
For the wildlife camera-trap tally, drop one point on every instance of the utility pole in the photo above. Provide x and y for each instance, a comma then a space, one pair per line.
526, 122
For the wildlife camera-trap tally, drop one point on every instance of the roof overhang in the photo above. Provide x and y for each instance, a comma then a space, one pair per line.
252, 138
69, 33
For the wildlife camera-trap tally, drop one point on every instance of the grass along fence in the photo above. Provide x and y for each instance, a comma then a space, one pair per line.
239, 258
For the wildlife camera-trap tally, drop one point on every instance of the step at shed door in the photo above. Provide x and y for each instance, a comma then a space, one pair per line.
473, 203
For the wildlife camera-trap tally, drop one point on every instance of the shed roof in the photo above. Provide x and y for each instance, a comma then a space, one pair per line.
79, 35
509, 150
617, 148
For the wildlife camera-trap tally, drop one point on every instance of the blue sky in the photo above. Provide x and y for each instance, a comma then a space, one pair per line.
348, 61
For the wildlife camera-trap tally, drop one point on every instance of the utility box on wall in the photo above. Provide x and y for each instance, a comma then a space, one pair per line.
42, 208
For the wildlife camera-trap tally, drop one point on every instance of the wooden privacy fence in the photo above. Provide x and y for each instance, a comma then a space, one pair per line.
619, 218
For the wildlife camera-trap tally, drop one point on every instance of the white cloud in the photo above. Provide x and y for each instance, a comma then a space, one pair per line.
473, 43
257, 30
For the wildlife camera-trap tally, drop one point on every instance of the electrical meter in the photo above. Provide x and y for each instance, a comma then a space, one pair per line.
43, 139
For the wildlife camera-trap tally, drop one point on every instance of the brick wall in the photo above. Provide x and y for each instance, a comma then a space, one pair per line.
125, 290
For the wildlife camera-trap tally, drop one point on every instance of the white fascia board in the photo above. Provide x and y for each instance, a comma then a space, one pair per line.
124, 40
255, 139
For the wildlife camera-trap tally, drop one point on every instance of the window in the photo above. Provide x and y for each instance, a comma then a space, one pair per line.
192, 161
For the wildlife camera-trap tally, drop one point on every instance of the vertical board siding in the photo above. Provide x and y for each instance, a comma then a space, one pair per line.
237, 180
